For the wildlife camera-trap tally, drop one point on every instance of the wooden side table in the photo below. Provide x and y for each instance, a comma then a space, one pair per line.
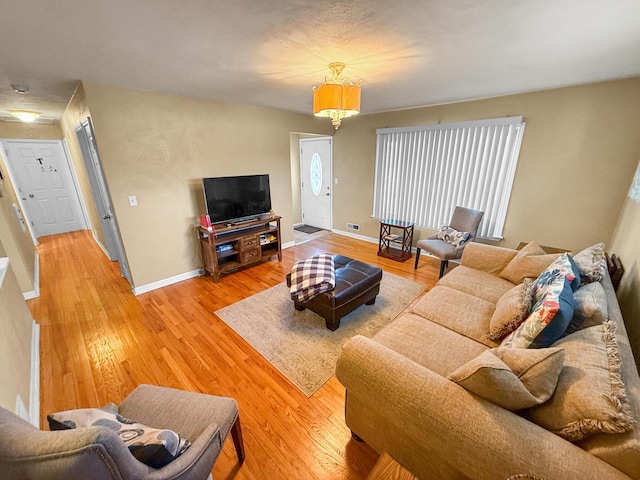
396, 246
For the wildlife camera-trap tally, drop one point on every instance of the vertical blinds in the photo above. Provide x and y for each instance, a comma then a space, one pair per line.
423, 172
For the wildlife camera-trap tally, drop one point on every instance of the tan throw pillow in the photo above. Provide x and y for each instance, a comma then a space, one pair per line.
592, 263
512, 378
590, 307
512, 308
528, 263
590, 397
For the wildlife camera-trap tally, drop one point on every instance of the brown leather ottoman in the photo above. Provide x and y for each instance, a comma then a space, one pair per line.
357, 283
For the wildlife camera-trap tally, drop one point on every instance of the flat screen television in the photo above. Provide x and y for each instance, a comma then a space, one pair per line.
237, 199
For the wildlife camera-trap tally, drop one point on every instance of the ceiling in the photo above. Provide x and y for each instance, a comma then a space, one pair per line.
271, 52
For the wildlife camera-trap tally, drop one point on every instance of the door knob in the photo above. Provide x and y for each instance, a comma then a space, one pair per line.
107, 217
327, 194
31, 195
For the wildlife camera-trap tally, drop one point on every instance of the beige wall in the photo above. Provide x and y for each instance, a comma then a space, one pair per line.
76, 112
15, 340
296, 202
580, 148
32, 131
158, 147
624, 243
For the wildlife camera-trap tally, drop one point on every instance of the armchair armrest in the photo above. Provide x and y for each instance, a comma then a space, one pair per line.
488, 258
474, 436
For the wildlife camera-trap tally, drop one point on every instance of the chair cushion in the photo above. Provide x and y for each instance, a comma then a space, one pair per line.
512, 308
440, 248
528, 263
512, 378
590, 397
151, 446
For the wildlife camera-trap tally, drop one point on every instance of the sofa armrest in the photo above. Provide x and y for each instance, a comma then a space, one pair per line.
488, 258
472, 435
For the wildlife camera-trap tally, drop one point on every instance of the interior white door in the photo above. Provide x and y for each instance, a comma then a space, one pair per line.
315, 181
102, 197
43, 180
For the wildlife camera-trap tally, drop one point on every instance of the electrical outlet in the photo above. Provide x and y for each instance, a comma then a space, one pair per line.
133, 201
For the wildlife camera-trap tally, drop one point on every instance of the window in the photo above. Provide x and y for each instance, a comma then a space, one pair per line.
423, 172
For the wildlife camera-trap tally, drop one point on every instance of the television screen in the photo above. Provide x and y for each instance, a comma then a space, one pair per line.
233, 199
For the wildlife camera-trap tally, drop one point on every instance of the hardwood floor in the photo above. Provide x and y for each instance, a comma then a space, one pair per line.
98, 342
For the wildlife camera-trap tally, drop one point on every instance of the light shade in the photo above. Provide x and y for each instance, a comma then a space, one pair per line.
338, 98
25, 115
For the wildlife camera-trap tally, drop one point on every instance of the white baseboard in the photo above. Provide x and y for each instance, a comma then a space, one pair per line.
35, 293
288, 245
356, 235
165, 282
298, 224
34, 388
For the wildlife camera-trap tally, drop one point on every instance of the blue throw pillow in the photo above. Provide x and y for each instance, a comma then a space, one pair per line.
562, 266
549, 318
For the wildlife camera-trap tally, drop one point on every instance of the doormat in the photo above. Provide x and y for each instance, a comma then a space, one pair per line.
307, 229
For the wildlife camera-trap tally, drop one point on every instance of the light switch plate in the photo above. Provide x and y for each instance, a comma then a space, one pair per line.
133, 201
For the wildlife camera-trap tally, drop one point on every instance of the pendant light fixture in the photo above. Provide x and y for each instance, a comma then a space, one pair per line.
338, 97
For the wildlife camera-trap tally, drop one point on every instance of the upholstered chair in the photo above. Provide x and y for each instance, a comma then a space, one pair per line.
463, 220
97, 453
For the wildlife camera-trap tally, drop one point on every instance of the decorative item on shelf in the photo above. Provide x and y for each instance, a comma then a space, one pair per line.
25, 115
338, 97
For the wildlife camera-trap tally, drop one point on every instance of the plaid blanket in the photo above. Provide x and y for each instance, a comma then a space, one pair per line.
312, 276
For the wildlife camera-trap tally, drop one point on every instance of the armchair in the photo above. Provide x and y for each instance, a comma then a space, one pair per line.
98, 453
463, 220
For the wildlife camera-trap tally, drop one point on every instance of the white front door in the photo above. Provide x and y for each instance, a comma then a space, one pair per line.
43, 181
315, 181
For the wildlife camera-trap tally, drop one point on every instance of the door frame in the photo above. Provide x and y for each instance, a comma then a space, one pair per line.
96, 176
331, 180
12, 178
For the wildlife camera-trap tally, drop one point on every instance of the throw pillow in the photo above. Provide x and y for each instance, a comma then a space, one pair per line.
590, 397
151, 446
549, 318
563, 265
512, 308
528, 263
452, 236
512, 378
592, 263
590, 307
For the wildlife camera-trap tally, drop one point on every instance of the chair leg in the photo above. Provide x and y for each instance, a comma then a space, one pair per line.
236, 434
417, 257
443, 267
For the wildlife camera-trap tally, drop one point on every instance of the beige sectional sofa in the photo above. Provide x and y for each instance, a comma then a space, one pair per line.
400, 401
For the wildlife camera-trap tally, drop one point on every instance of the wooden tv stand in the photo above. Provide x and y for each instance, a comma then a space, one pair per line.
231, 247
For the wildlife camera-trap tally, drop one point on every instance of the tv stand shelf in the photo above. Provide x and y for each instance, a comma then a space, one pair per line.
229, 247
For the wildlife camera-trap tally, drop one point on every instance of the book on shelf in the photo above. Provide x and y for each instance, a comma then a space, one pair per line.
392, 236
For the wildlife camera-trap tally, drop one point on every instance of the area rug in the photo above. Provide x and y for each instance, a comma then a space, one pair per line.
299, 343
307, 229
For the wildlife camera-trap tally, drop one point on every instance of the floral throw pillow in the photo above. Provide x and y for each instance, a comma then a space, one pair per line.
562, 266
550, 317
452, 236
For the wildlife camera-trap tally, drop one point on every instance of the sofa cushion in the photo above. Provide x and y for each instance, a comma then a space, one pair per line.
549, 318
152, 446
512, 308
423, 342
561, 266
457, 311
528, 263
476, 282
592, 263
590, 397
452, 236
512, 378
590, 307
